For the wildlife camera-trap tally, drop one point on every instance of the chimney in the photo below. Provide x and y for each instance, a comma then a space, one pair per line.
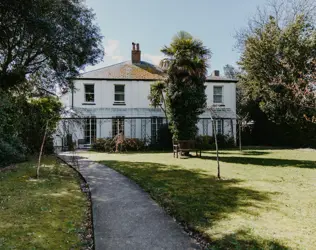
216, 73
136, 53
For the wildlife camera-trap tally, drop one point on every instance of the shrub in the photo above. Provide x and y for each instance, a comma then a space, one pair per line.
164, 139
98, 144
11, 151
108, 145
207, 142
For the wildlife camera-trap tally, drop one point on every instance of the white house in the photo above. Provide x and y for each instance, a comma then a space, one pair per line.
115, 98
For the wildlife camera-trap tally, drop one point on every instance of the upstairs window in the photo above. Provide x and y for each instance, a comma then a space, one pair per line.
218, 94
119, 93
89, 92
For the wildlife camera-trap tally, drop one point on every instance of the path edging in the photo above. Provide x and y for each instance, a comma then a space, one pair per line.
89, 194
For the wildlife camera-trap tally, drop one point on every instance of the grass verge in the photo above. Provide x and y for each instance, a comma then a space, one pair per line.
266, 199
49, 213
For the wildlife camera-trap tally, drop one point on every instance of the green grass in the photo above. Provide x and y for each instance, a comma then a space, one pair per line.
266, 199
42, 214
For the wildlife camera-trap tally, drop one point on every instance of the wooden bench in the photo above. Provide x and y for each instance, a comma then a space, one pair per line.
183, 146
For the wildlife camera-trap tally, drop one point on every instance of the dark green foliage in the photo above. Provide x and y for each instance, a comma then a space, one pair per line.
53, 39
275, 89
37, 112
164, 140
11, 151
185, 93
206, 142
108, 145
22, 126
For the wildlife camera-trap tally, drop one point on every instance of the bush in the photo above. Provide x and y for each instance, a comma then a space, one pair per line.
108, 145
164, 139
11, 151
207, 142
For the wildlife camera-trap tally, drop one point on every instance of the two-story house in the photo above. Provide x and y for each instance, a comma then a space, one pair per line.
115, 98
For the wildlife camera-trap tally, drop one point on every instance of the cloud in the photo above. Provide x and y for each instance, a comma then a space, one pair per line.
155, 59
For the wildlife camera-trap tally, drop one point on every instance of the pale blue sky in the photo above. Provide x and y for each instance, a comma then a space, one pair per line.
152, 24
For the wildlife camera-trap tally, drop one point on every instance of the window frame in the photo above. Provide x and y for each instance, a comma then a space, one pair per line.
222, 94
116, 127
119, 93
90, 129
89, 93
156, 124
219, 126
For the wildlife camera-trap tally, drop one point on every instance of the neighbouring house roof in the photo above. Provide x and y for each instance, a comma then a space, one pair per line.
220, 79
219, 113
126, 71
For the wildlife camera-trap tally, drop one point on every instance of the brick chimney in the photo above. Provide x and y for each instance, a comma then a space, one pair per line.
215, 73
136, 53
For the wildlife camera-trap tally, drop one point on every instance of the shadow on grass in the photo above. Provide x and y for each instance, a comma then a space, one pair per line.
269, 162
241, 240
196, 199
234, 152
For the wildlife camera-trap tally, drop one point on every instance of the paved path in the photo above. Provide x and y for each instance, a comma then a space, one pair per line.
124, 216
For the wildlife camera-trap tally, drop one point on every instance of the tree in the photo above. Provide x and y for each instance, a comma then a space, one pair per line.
157, 96
279, 67
54, 39
45, 115
284, 13
186, 64
230, 71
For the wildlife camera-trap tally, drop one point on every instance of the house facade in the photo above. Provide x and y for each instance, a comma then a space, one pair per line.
115, 98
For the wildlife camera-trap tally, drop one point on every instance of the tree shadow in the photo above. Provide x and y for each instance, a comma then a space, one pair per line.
195, 199
269, 162
242, 240
252, 152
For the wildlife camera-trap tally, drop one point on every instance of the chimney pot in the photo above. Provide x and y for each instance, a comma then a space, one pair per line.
136, 54
216, 73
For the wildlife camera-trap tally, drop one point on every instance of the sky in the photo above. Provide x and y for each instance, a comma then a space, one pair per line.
153, 23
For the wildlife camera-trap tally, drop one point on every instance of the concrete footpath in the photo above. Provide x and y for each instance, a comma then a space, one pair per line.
124, 216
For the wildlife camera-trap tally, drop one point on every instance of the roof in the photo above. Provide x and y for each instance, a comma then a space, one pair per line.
219, 113
220, 79
137, 71
126, 71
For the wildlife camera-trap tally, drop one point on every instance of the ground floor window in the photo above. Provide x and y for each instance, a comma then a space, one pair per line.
90, 130
219, 126
118, 126
156, 123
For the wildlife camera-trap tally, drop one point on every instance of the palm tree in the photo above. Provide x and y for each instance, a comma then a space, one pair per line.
156, 96
186, 68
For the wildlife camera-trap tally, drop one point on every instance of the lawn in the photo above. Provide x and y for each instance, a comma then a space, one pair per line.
50, 213
266, 199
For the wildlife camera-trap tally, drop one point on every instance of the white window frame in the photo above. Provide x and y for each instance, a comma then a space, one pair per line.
91, 135
156, 124
219, 126
90, 93
118, 123
119, 93
222, 95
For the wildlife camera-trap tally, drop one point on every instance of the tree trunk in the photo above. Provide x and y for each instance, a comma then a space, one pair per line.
165, 108
41, 151
217, 157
